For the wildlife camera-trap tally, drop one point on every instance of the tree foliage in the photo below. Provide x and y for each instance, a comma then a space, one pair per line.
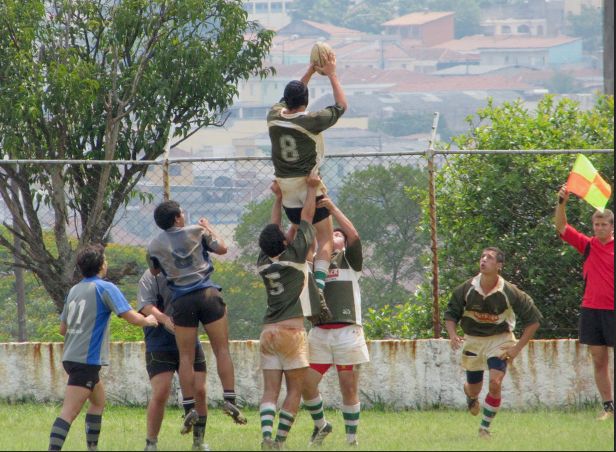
387, 220
101, 80
508, 201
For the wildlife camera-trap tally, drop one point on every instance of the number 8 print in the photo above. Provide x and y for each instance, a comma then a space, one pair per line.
288, 148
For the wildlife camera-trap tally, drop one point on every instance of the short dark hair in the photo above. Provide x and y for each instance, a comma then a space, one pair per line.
271, 240
166, 213
296, 94
500, 255
90, 259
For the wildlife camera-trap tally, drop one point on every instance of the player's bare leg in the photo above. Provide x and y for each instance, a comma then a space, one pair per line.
161, 388
492, 402
325, 247
218, 333
600, 359
185, 338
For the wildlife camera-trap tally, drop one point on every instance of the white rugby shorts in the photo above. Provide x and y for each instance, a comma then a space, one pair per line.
344, 346
295, 189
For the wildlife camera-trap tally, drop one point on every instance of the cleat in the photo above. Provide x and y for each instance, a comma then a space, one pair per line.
201, 446
605, 416
353, 443
150, 446
485, 433
319, 434
269, 444
472, 403
234, 412
190, 419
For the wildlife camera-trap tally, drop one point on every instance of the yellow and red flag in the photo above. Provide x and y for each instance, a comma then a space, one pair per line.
586, 182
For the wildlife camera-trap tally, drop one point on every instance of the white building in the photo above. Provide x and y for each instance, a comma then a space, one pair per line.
272, 14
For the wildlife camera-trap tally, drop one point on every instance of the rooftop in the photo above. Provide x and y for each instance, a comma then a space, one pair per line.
417, 18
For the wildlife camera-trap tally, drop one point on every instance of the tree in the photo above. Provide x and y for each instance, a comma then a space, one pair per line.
508, 200
256, 215
102, 80
387, 219
587, 25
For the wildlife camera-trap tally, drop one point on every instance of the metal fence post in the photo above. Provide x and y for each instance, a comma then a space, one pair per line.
20, 286
436, 322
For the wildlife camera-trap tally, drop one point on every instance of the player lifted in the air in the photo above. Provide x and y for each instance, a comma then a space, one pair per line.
297, 150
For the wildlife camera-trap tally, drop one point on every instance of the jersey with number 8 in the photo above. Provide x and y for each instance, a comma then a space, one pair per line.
291, 289
297, 144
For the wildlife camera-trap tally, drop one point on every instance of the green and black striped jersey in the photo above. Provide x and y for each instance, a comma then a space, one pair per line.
297, 143
291, 289
342, 292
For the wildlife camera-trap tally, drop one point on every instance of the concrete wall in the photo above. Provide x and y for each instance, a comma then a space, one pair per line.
402, 374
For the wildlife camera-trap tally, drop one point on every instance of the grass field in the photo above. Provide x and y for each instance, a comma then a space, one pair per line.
26, 427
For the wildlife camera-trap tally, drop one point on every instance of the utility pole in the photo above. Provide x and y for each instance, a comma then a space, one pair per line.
608, 47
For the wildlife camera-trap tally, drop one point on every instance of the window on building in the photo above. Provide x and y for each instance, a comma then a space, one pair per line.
276, 7
540, 31
261, 8
524, 29
506, 30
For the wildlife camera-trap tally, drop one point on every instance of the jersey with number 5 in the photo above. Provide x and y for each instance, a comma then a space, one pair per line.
291, 289
87, 311
297, 143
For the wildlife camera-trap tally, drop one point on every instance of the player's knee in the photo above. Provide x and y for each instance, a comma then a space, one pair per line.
496, 383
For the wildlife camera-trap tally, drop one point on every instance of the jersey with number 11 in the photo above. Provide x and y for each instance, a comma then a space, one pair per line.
297, 143
87, 311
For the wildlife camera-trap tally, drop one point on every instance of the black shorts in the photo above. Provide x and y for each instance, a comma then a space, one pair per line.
205, 306
294, 214
160, 362
83, 375
597, 327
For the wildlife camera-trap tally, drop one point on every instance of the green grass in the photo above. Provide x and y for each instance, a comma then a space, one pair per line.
26, 427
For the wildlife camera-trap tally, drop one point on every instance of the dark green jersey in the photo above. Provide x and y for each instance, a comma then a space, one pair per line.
291, 289
342, 285
495, 313
297, 143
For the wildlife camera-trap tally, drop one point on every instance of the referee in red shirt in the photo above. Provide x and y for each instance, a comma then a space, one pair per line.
597, 313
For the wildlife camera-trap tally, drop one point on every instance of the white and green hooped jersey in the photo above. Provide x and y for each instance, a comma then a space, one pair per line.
297, 143
291, 289
342, 292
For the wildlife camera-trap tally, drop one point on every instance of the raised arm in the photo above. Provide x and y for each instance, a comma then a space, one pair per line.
277, 207
313, 181
560, 215
345, 224
330, 71
308, 75
219, 244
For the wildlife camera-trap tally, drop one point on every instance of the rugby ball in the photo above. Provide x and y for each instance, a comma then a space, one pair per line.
320, 54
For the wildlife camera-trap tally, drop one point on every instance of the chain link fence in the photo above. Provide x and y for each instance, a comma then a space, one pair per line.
384, 194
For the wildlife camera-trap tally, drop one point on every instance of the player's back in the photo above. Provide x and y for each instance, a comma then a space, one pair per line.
297, 143
87, 313
182, 255
291, 290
